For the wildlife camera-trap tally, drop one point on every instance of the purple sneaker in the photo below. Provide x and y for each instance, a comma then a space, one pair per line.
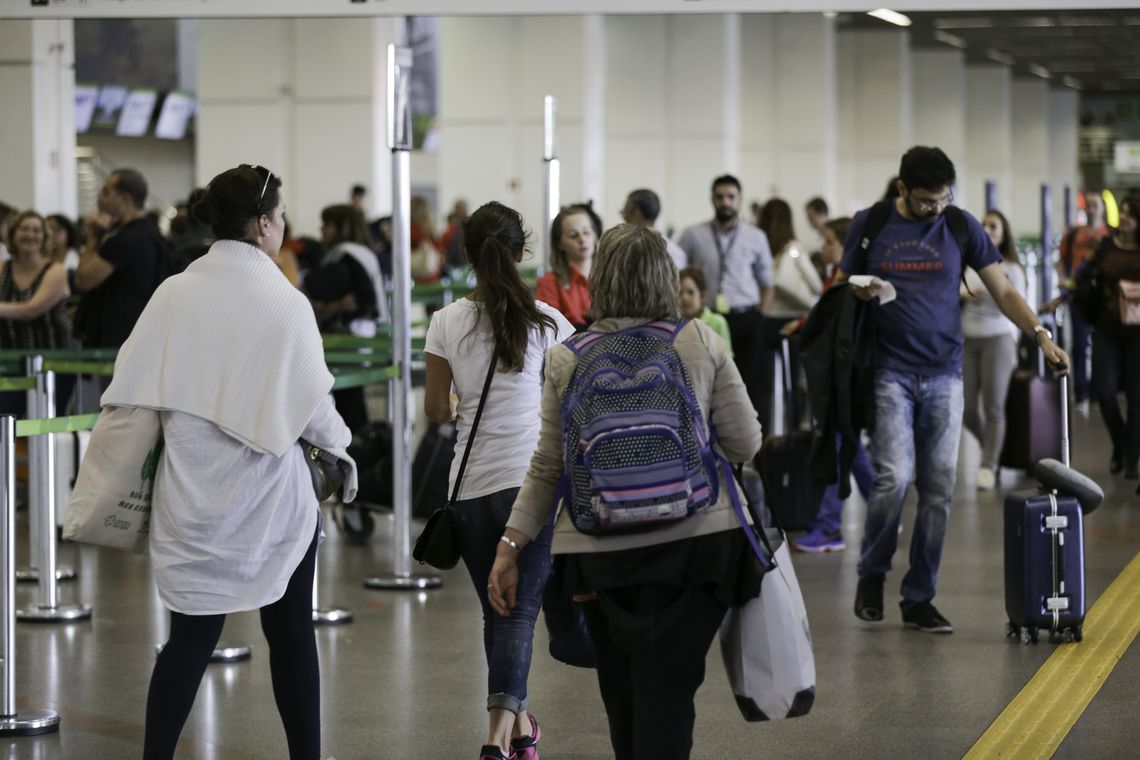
818, 542
526, 747
491, 752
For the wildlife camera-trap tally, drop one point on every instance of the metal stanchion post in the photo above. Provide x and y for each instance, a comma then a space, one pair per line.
399, 140
41, 457
326, 615
37, 509
551, 169
12, 722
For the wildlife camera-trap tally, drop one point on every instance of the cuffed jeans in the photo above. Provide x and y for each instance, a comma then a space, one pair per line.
507, 641
918, 422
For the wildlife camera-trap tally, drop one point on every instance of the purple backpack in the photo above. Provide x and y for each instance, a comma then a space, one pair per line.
638, 453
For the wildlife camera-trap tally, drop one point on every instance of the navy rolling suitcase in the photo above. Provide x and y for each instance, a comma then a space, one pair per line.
1045, 557
789, 492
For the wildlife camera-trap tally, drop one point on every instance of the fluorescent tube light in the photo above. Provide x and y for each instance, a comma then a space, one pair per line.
1038, 70
999, 57
891, 17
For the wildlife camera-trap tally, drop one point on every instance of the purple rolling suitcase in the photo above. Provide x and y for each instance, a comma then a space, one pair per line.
1045, 557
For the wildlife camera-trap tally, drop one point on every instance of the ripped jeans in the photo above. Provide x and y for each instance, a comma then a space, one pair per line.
918, 421
507, 641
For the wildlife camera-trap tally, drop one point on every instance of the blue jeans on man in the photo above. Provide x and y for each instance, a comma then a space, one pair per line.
918, 422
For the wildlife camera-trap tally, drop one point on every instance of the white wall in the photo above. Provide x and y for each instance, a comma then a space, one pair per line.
1030, 157
938, 88
167, 165
789, 136
989, 134
310, 110
493, 75
874, 113
1063, 144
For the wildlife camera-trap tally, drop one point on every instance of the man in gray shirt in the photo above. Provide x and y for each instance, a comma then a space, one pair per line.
737, 263
642, 207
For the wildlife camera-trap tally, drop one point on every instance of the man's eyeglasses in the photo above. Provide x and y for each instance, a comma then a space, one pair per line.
934, 204
268, 176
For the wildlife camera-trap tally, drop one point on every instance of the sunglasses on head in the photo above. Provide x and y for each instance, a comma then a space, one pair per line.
268, 176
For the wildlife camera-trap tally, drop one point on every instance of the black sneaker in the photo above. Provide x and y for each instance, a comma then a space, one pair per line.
923, 616
869, 599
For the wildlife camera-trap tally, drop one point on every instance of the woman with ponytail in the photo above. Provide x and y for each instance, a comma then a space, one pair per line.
500, 321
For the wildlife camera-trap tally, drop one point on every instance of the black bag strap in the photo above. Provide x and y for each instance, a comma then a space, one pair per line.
955, 220
475, 424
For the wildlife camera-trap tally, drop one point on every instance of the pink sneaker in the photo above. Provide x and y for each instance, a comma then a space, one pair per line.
526, 747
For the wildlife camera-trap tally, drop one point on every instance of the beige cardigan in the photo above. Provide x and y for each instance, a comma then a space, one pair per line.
718, 389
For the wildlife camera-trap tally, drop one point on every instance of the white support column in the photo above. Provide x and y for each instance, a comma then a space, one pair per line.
789, 109
1031, 158
938, 87
312, 109
594, 111
703, 65
37, 122
1064, 168
989, 136
874, 113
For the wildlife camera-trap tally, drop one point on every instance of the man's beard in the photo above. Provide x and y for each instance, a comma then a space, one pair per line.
725, 215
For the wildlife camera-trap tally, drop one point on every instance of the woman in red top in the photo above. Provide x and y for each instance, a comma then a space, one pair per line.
573, 238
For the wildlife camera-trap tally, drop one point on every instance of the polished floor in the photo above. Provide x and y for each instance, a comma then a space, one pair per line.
407, 677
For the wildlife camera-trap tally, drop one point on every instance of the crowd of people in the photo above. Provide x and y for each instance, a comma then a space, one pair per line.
653, 555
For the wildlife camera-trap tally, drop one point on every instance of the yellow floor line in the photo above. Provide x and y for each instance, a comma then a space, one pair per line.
1039, 718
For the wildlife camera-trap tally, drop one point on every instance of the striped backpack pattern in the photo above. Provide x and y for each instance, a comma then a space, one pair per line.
638, 453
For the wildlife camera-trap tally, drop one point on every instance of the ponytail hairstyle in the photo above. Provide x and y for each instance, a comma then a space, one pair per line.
494, 240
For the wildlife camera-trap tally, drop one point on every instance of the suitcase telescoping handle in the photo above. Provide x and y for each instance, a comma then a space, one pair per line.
1065, 420
786, 378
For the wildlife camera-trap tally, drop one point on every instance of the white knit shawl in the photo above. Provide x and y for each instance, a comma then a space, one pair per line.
229, 340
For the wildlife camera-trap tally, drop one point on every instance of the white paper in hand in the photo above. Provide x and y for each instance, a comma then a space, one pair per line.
883, 289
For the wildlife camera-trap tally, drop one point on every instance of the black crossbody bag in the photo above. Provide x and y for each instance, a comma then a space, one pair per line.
437, 545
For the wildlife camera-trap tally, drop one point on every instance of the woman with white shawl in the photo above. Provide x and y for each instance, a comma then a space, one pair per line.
228, 353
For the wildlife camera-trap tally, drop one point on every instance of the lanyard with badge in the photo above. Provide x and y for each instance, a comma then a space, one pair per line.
721, 303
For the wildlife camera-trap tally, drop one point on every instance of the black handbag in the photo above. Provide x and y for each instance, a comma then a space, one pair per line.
324, 469
437, 544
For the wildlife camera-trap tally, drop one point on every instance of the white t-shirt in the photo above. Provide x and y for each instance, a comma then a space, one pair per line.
508, 429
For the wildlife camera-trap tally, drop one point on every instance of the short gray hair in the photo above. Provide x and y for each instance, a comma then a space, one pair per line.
633, 276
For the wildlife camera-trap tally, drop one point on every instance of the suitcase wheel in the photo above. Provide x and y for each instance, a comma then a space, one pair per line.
1012, 631
1028, 635
1070, 635
355, 524
1078, 633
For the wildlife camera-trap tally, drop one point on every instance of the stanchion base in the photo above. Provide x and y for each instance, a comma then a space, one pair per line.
64, 613
331, 616
403, 582
29, 723
231, 653
224, 652
32, 574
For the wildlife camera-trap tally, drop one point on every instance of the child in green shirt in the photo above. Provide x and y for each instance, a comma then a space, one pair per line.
693, 291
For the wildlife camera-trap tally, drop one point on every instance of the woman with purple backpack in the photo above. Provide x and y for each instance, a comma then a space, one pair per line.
648, 538
499, 325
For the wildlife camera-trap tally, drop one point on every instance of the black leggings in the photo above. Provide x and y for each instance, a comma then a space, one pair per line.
288, 628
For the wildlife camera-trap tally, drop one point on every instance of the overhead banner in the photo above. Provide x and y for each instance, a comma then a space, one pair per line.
298, 8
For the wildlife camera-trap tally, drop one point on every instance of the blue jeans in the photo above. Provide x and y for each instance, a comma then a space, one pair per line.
1082, 332
830, 519
507, 641
918, 421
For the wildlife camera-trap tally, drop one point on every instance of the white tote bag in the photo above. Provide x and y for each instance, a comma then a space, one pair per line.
766, 646
111, 502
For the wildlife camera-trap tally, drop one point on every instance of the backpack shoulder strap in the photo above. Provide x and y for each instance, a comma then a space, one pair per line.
960, 229
876, 220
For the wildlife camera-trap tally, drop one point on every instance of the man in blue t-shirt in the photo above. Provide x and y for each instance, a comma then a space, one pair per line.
918, 373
